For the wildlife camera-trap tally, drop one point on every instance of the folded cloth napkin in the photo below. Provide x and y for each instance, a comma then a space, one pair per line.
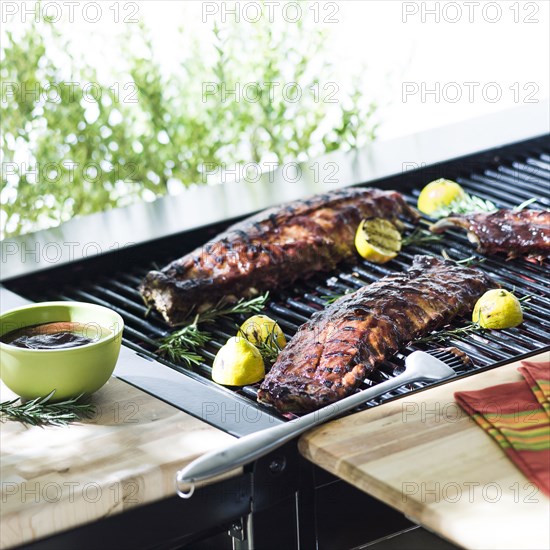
537, 376
513, 415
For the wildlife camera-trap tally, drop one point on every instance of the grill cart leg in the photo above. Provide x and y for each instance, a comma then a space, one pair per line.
282, 504
239, 532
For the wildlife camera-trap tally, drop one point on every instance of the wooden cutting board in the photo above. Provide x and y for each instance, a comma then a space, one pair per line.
56, 478
423, 456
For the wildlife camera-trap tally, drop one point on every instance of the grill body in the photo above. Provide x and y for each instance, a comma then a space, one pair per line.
507, 177
282, 489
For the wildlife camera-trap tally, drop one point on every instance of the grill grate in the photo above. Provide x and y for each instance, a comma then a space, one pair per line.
507, 184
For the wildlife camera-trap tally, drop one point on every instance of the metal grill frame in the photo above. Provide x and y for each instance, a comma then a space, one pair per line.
290, 308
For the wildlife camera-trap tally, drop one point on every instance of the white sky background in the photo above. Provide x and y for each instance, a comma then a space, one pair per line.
398, 41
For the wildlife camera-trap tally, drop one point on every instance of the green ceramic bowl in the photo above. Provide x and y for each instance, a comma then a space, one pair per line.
32, 373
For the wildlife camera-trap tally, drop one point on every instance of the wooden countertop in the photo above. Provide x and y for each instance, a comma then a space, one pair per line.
56, 478
423, 456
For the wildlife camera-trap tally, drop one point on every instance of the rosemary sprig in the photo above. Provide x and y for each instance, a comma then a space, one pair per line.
183, 344
466, 262
467, 204
420, 236
269, 351
524, 300
269, 348
224, 308
330, 299
524, 204
40, 412
442, 335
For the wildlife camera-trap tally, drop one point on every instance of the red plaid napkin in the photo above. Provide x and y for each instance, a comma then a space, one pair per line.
536, 375
517, 417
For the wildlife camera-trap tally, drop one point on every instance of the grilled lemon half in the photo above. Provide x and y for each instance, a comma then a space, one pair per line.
437, 194
261, 329
377, 240
497, 309
238, 363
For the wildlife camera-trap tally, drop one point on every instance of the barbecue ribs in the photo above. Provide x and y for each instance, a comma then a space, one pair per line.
526, 232
338, 347
269, 250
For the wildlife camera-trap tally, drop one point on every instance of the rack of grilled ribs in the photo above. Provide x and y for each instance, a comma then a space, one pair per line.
333, 353
269, 250
515, 233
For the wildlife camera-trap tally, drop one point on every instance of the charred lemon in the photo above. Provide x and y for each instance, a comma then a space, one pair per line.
261, 329
438, 194
497, 309
377, 240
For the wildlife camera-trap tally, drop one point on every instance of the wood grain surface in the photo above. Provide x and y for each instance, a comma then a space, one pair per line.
55, 478
423, 456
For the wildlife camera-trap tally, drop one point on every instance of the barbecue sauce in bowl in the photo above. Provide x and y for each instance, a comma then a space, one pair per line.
54, 336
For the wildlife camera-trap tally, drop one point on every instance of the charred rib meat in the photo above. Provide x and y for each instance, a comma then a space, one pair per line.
338, 347
269, 250
526, 232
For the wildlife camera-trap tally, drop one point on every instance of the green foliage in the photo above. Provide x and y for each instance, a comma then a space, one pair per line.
466, 204
66, 154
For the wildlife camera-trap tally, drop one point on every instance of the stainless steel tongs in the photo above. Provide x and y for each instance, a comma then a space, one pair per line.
419, 366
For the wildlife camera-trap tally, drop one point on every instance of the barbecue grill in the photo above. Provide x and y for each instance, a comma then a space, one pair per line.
282, 487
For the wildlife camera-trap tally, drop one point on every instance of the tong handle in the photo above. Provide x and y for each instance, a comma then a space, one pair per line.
419, 366
254, 446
